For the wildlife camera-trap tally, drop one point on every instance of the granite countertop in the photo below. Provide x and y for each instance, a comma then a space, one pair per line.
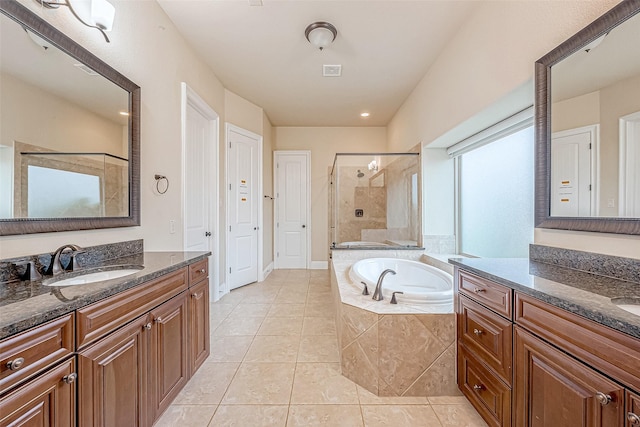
585, 294
28, 303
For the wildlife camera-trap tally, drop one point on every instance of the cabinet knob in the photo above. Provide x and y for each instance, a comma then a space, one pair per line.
147, 326
478, 290
478, 387
603, 399
71, 378
633, 419
15, 364
202, 270
478, 332
158, 320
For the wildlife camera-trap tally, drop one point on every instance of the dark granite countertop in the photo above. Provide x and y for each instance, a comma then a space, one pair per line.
585, 294
28, 303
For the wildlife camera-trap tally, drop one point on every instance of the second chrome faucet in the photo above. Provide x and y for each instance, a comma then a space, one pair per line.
377, 294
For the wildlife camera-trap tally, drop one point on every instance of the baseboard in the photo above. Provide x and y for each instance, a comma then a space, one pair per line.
319, 265
268, 269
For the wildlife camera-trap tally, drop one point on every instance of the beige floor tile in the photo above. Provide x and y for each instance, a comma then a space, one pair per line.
229, 348
250, 310
208, 385
448, 400
368, 398
281, 326
186, 415
318, 349
238, 326
261, 383
319, 383
399, 415
324, 415
286, 310
221, 309
319, 309
263, 298
458, 416
232, 298
269, 349
319, 326
250, 416
297, 297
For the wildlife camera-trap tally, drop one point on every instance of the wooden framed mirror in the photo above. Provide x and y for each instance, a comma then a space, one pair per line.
70, 140
588, 127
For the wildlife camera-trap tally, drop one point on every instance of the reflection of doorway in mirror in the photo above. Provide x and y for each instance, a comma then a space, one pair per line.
629, 204
574, 159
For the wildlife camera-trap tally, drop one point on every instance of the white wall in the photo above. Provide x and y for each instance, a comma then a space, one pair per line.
484, 74
146, 48
324, 142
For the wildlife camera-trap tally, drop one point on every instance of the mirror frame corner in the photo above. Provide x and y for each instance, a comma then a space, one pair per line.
543, 219
17, 226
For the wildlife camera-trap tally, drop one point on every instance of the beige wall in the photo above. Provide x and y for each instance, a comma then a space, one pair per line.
145, 47
323, 144
267, 187
488, 67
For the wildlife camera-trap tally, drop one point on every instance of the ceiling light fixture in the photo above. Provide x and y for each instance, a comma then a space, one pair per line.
96, 14
365, 114
320, 34
124, 113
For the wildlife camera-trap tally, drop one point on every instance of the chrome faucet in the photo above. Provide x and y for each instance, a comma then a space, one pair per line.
56, 267
377, 294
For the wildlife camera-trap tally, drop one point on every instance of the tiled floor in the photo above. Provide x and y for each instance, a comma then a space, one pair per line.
274, 362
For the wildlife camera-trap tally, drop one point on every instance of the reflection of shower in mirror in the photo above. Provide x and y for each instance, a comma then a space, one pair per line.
360, 173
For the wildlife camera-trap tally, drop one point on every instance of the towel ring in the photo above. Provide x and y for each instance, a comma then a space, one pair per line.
160, 178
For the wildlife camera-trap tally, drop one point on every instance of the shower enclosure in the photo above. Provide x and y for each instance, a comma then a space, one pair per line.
374, 200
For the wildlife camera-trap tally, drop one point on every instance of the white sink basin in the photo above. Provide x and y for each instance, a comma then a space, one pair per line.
632, 305
93, 277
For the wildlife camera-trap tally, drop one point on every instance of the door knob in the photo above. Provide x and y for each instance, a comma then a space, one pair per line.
255, 228
304, 226
207, 233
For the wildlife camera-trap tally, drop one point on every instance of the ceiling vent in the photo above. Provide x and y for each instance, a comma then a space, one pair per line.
332, 70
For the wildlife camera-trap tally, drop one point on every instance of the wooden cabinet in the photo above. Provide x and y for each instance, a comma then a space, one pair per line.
553, 389
46, 401
633, 409
113, 378
168, 353
199, 345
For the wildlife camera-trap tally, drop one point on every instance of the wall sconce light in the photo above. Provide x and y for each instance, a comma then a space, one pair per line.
98, 14
320, 34
373, 166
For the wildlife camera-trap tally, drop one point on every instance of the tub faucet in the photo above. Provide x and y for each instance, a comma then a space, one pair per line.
56, 267
377, 294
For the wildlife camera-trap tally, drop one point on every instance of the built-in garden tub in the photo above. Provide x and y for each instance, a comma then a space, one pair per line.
403, 349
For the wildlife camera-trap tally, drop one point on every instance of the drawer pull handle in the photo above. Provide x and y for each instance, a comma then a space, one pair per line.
70, 379
633, 419
15, 364
147, 326
478, 290
158, 320
202, 270
478, 332
603, 399
478, 387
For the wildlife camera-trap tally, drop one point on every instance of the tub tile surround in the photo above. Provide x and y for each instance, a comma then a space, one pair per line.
391, 350
25, 303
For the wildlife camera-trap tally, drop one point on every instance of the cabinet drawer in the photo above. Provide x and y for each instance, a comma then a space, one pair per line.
103, 317
490, 294
603, 348
36, 349
198, 271
488, 335
486, 392
633, 409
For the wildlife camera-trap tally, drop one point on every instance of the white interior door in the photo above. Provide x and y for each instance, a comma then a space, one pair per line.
243, 176
629, 205
292, 208
572, 169
200, 180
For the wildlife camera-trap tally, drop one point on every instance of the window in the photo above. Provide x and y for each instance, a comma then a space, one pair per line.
496, 193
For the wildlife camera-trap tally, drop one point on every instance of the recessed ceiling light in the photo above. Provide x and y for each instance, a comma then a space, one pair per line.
364, 114
124, 113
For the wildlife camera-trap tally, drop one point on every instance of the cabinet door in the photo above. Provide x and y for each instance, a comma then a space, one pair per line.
168, 353
112, 376
633, 409
47, 400
198, 325
553, 389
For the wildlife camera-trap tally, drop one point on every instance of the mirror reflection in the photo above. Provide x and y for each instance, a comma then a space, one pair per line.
595, 128
64, 133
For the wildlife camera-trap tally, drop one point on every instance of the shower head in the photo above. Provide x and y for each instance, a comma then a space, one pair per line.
360, 174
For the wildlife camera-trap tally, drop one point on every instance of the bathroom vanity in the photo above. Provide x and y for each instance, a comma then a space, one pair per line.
110, 353
543, 345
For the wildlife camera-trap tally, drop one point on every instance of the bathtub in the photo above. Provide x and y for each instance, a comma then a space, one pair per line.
421, 283
360, 244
